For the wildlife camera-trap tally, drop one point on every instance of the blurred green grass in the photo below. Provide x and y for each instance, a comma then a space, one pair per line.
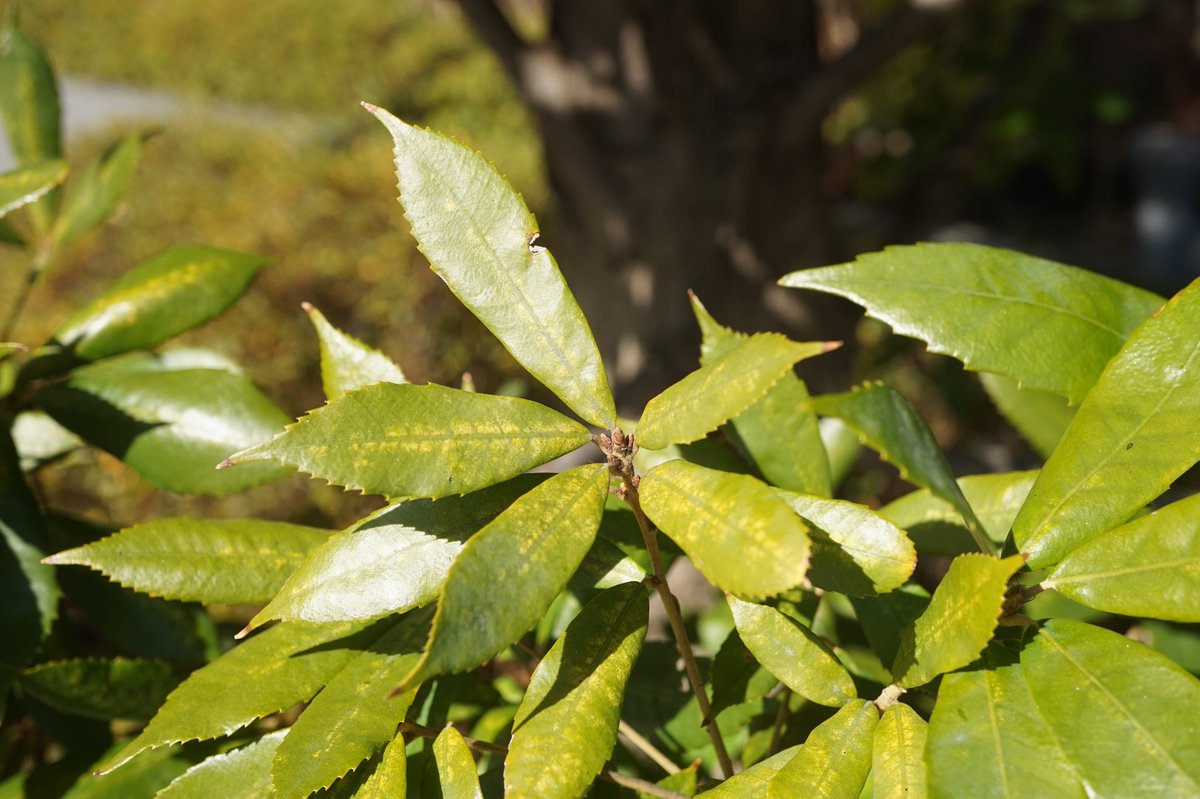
311, 185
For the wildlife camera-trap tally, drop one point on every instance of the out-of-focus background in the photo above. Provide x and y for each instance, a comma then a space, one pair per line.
664, 145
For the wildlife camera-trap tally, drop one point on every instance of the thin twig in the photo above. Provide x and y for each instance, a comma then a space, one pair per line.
419, 731
648, 749
780, 717
641, 786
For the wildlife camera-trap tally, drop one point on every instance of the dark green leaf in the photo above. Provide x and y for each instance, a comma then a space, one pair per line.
987, 732
510, 571
174, 291
172, 427
721, 389
456, 766
1131, 438
269, 673
141, 780
1039, 416
244, 773
1149, 567
479, 238
1127, 718
389, 780
737, 531
393, 561
116, 688
573, 703
352, 718
793, 653
855, 551
736, 676
231, 561
1046, 325
897, 761
888, 424
94, 197
346, 362
23, 186
405, 441
778, 433
885, 617
835, 760
959, 621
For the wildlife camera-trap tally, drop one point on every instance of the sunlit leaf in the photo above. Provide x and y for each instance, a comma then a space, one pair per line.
23, 186
1046, 325
172, 427
570, 711
142, 779
346, 362
392, 561
778, 433
29, 107
406, 441
510, 571
95, 195
793, 653
244, 773
231, 561
479, 238
41, 440
736, 529
1131, 438
897, 761
959, 621
754, 780
1127, 718
721, 389
101, 688
987, 732
1039, 416
352, 718
835, 760
390, 778
888, 424
855, 550
456, 766
271, 672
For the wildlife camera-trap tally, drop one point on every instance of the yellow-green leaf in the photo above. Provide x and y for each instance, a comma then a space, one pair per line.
793, 653
1039, 416
835, 760
1133, 435
346, 362
736, 529
720, 390
754, 780
479, 238
959, 621
389, 780
244, 773
29, 107
407, 442
510, 571
571, 709
456, 766
897, 760
23, 186
94, 197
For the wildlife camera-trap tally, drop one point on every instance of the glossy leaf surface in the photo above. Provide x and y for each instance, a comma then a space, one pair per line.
571, 709
244, 773
172, 427
778, 433
346, 362
793, 653
1039, 416
406, 441
109, 688
1131, 438
352, 718
95, 195
392, 561
456, 766
1147, 568
23, 186
959, 621
897, 758
738, 532
987, 732
721, 389
1127, 718
174, 291
887, 423
479, 238
269, 673
510, 571
835, 760
230, 561
855, 550
1046, 325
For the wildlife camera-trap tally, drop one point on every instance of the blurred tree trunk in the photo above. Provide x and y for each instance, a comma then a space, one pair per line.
683, 142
